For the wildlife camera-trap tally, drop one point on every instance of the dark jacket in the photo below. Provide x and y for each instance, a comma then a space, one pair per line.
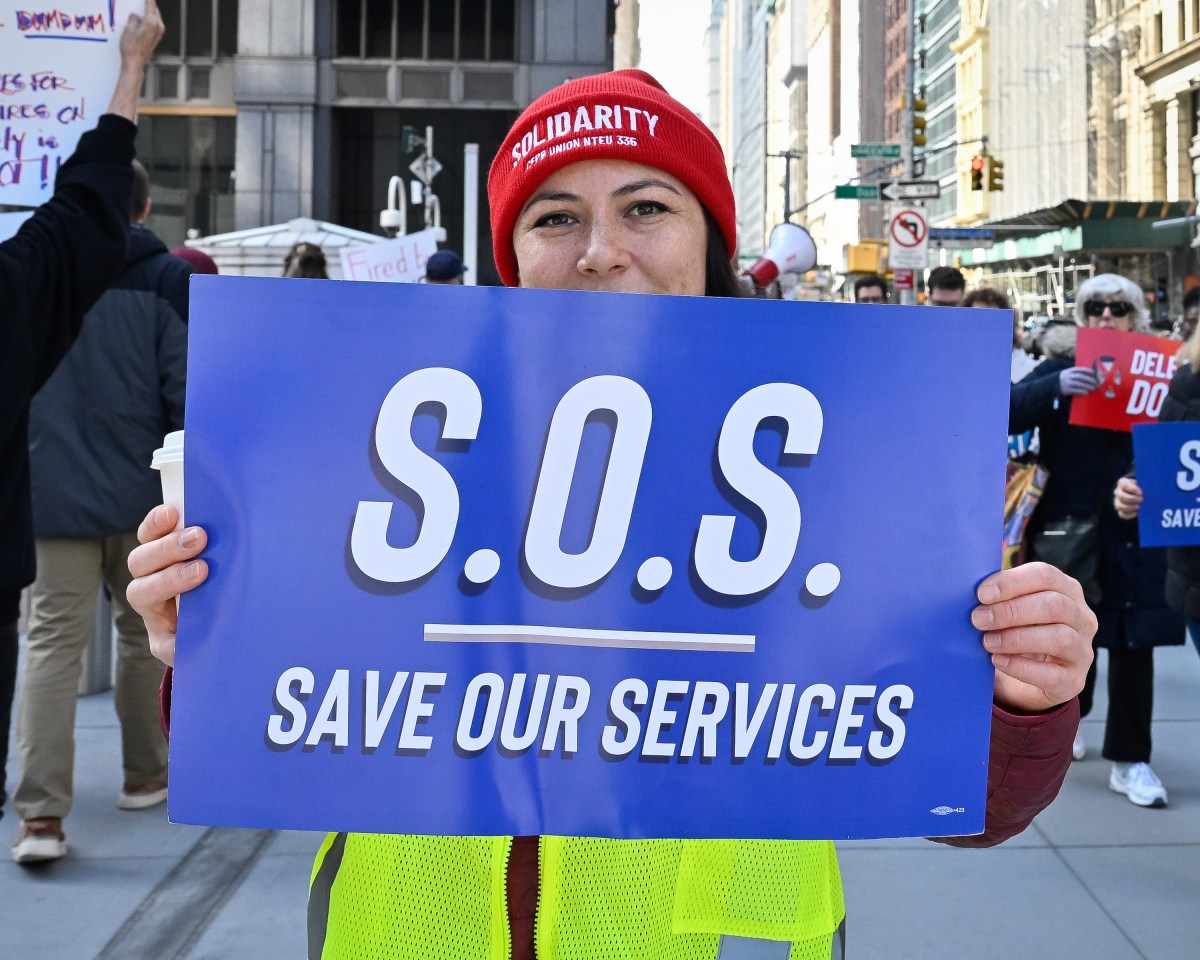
59, 263
96, 423
1183, 563
1085, 464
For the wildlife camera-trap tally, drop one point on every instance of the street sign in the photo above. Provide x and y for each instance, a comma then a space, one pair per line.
867, 150
425, 168
980, 234
903, 278
908, 237
856, 191
961, 238
911, 190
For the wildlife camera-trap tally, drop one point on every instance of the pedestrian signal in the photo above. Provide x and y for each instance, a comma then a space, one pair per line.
977, 172
995, 174
918, 138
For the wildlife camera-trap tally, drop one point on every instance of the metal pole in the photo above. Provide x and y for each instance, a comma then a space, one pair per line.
787, 186
471, 212
906, 142
428, 177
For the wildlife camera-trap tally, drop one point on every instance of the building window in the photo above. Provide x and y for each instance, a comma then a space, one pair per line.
190, 161
204, 29
426, 29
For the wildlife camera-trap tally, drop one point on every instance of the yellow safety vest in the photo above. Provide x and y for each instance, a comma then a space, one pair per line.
382, 897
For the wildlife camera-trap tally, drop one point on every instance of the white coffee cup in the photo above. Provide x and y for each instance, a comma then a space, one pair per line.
168, 461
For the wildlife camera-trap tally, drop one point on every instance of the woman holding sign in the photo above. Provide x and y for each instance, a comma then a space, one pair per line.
608, 184
1076, 529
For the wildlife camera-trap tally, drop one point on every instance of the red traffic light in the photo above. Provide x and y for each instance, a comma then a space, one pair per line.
977, 162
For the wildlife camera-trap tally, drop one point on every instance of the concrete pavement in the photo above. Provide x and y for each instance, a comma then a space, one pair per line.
1094, 877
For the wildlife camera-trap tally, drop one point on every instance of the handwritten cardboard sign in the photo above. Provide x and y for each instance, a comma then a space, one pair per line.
58, 66
401, 260
1134, 370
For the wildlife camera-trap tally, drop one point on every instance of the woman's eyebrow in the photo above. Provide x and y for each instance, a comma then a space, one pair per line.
637, 185
556, 196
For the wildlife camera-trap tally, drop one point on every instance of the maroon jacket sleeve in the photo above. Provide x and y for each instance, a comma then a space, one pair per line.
1029, 759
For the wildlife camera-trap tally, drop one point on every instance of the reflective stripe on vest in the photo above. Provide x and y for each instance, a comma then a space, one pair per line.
395, 897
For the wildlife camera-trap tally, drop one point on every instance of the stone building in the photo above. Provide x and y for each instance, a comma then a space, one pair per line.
261, 111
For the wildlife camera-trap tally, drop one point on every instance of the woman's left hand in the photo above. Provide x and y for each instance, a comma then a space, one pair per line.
1039, 632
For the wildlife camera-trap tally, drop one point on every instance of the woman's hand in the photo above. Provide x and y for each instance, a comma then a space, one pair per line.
163, 567
1039, 632
1127, 498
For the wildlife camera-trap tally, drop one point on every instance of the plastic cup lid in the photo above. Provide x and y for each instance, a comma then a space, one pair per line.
170, 452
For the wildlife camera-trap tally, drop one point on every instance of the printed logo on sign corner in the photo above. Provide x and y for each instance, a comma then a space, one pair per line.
943, 810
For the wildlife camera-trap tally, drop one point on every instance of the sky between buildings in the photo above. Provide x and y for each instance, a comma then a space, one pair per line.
672, 39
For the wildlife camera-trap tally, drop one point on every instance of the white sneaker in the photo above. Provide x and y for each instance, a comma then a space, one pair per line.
1078, 748
1138, 782
39, 840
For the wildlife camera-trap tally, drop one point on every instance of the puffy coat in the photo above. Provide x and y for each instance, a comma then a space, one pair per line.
94, 426
1085, 464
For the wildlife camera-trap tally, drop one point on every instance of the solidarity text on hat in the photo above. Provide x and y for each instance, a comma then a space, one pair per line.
598, 117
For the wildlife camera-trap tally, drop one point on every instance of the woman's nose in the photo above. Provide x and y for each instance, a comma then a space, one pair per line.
603, 252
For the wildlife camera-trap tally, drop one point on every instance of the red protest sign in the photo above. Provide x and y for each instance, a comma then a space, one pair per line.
1134, 370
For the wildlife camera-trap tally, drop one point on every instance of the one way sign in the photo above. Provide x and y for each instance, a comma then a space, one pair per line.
910, 190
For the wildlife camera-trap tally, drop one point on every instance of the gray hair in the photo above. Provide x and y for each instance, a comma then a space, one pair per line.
1109, 285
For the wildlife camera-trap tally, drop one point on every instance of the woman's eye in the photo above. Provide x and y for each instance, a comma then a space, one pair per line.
647, 208
553, 220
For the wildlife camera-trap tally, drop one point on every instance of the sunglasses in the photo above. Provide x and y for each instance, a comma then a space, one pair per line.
1119, 308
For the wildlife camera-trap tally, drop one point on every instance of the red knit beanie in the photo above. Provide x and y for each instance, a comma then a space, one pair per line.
624, 115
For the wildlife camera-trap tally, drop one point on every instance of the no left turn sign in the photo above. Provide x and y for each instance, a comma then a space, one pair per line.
908, 238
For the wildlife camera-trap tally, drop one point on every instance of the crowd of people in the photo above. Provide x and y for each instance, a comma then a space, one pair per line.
94, 336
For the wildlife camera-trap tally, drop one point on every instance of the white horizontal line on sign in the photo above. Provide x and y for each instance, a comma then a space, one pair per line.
575, 637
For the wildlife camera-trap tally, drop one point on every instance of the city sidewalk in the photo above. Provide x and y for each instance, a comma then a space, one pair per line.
1094, 877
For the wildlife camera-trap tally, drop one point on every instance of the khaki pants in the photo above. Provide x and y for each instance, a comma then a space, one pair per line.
63, 604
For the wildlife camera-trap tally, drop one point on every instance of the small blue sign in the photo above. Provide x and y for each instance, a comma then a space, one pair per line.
1168, 471
961, 233
491, 561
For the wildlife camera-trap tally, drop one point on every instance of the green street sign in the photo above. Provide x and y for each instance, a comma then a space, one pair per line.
856, 191
887, 151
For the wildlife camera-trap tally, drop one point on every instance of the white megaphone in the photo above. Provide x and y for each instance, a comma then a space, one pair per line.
791, 250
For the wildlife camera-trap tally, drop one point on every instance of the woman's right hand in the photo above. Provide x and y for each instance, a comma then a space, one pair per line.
1127, 498
163, 567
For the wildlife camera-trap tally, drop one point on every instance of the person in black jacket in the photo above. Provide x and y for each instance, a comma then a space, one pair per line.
1122, 582
1183, 563
93, 429
58, 264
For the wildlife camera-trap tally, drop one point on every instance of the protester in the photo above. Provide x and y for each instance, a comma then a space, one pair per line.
1183, 563
870, 288
93, 429
945, 287
305, 260
1186, 325
198, 260
58, 264
1076, 527
652, 214
445, 266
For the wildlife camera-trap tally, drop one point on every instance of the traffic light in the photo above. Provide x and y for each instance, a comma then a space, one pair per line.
977, 162
995, 174
918, 122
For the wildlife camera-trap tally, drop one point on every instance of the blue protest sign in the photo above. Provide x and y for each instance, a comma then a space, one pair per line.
493, 561
1168, 471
